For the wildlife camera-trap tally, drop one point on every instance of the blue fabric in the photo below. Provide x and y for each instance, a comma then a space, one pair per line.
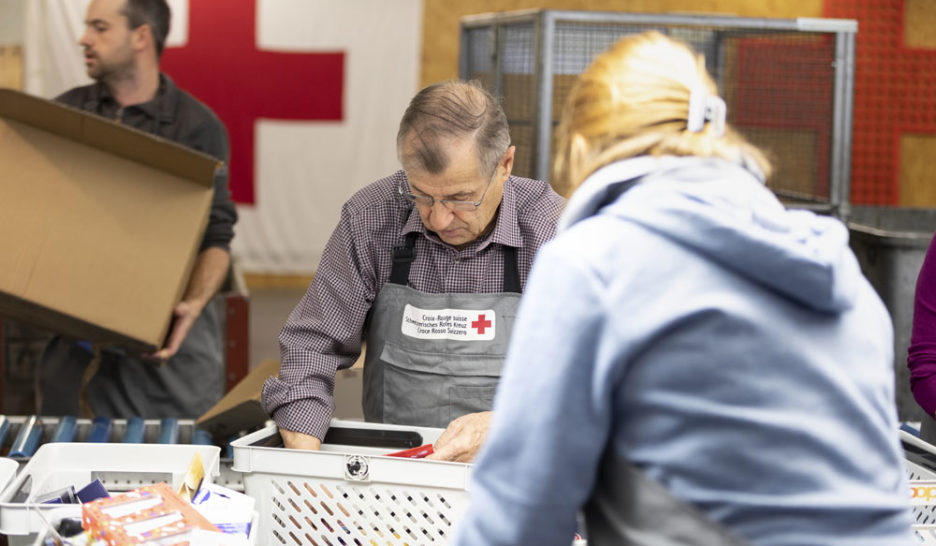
728, 347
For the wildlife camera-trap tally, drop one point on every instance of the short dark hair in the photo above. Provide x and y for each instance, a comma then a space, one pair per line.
454, 109
154, 13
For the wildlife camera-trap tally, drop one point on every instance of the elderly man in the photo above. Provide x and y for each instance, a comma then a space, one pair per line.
428, 265
122, 43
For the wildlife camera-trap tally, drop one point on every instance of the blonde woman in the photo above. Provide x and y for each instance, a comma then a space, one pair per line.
692, 363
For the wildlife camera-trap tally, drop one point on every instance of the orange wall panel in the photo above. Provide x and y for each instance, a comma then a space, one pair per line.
441, 19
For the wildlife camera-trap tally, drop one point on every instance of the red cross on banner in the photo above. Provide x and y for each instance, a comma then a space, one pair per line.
223, 68
895, 93
481, 324
787, 85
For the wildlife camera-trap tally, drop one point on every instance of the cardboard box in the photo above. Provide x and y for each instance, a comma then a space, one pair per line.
240, 410
99, 223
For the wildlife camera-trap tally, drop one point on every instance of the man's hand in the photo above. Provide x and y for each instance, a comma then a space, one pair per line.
185, 314
297, 440
462, 438
207, 275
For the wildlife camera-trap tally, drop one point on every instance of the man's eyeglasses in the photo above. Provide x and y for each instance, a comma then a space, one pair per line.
427, 201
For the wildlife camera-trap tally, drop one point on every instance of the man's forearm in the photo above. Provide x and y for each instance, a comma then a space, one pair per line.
207, 276
297, 440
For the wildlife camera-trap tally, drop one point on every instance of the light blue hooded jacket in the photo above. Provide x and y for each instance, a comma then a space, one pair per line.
698, 330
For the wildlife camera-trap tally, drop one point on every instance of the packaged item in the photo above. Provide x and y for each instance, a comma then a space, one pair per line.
228, 510
65, 495
153, 514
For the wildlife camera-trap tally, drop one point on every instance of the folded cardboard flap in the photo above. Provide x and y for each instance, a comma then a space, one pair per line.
101, 223
240, 409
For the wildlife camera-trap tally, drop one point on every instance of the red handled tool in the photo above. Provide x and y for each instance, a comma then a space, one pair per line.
414, 453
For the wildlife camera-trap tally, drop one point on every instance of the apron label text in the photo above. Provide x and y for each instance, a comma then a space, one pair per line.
456, 324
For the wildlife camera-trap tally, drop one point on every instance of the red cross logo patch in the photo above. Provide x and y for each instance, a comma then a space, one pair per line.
481, 324
454, 324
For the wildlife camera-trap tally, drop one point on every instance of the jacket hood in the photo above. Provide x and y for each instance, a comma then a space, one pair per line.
724, 211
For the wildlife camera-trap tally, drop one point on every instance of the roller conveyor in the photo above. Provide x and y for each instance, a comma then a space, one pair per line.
21, 436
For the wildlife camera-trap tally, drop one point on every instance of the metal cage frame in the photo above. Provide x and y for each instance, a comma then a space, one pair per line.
544, 24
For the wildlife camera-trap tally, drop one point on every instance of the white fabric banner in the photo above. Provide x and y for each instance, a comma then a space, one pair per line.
304, 170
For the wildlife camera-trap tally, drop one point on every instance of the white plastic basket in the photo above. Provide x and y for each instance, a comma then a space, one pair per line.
921, 470
120, 467
349, 495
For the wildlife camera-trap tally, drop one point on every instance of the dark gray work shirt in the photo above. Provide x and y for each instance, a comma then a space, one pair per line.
177, 116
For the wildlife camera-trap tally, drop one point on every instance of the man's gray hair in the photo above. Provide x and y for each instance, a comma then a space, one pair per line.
154, 13
450, 110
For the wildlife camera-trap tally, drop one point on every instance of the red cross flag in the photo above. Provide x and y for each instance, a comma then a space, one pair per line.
311, 92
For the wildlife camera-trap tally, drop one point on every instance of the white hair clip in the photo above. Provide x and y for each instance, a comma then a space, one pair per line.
704, 107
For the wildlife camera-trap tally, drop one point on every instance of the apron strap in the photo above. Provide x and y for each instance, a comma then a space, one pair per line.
403, 256
511, 271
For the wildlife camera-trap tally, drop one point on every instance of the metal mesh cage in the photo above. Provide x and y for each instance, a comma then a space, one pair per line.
518, 88
787, 84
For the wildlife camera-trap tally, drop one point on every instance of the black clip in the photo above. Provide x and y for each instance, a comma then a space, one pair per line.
403, 253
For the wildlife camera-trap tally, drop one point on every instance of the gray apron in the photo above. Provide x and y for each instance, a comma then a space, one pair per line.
628, 508
186, 386
434, 357
928, 429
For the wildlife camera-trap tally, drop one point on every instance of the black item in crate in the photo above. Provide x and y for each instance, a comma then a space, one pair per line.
361, 437
787, 84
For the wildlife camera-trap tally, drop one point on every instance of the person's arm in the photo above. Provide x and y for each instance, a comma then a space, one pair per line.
921, 355
209, 136
298, 440
552, 413
322, 334
214, 259
208, 274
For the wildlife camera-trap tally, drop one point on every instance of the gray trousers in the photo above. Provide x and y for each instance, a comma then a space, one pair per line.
186, 386
928, 430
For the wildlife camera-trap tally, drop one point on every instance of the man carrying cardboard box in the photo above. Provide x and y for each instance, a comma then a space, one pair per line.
122, 44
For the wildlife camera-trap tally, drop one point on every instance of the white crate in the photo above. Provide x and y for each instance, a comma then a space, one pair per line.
120, 467
345, 495
151, 433
921, 470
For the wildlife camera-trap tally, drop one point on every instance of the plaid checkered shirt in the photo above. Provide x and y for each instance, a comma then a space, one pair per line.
324, 332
